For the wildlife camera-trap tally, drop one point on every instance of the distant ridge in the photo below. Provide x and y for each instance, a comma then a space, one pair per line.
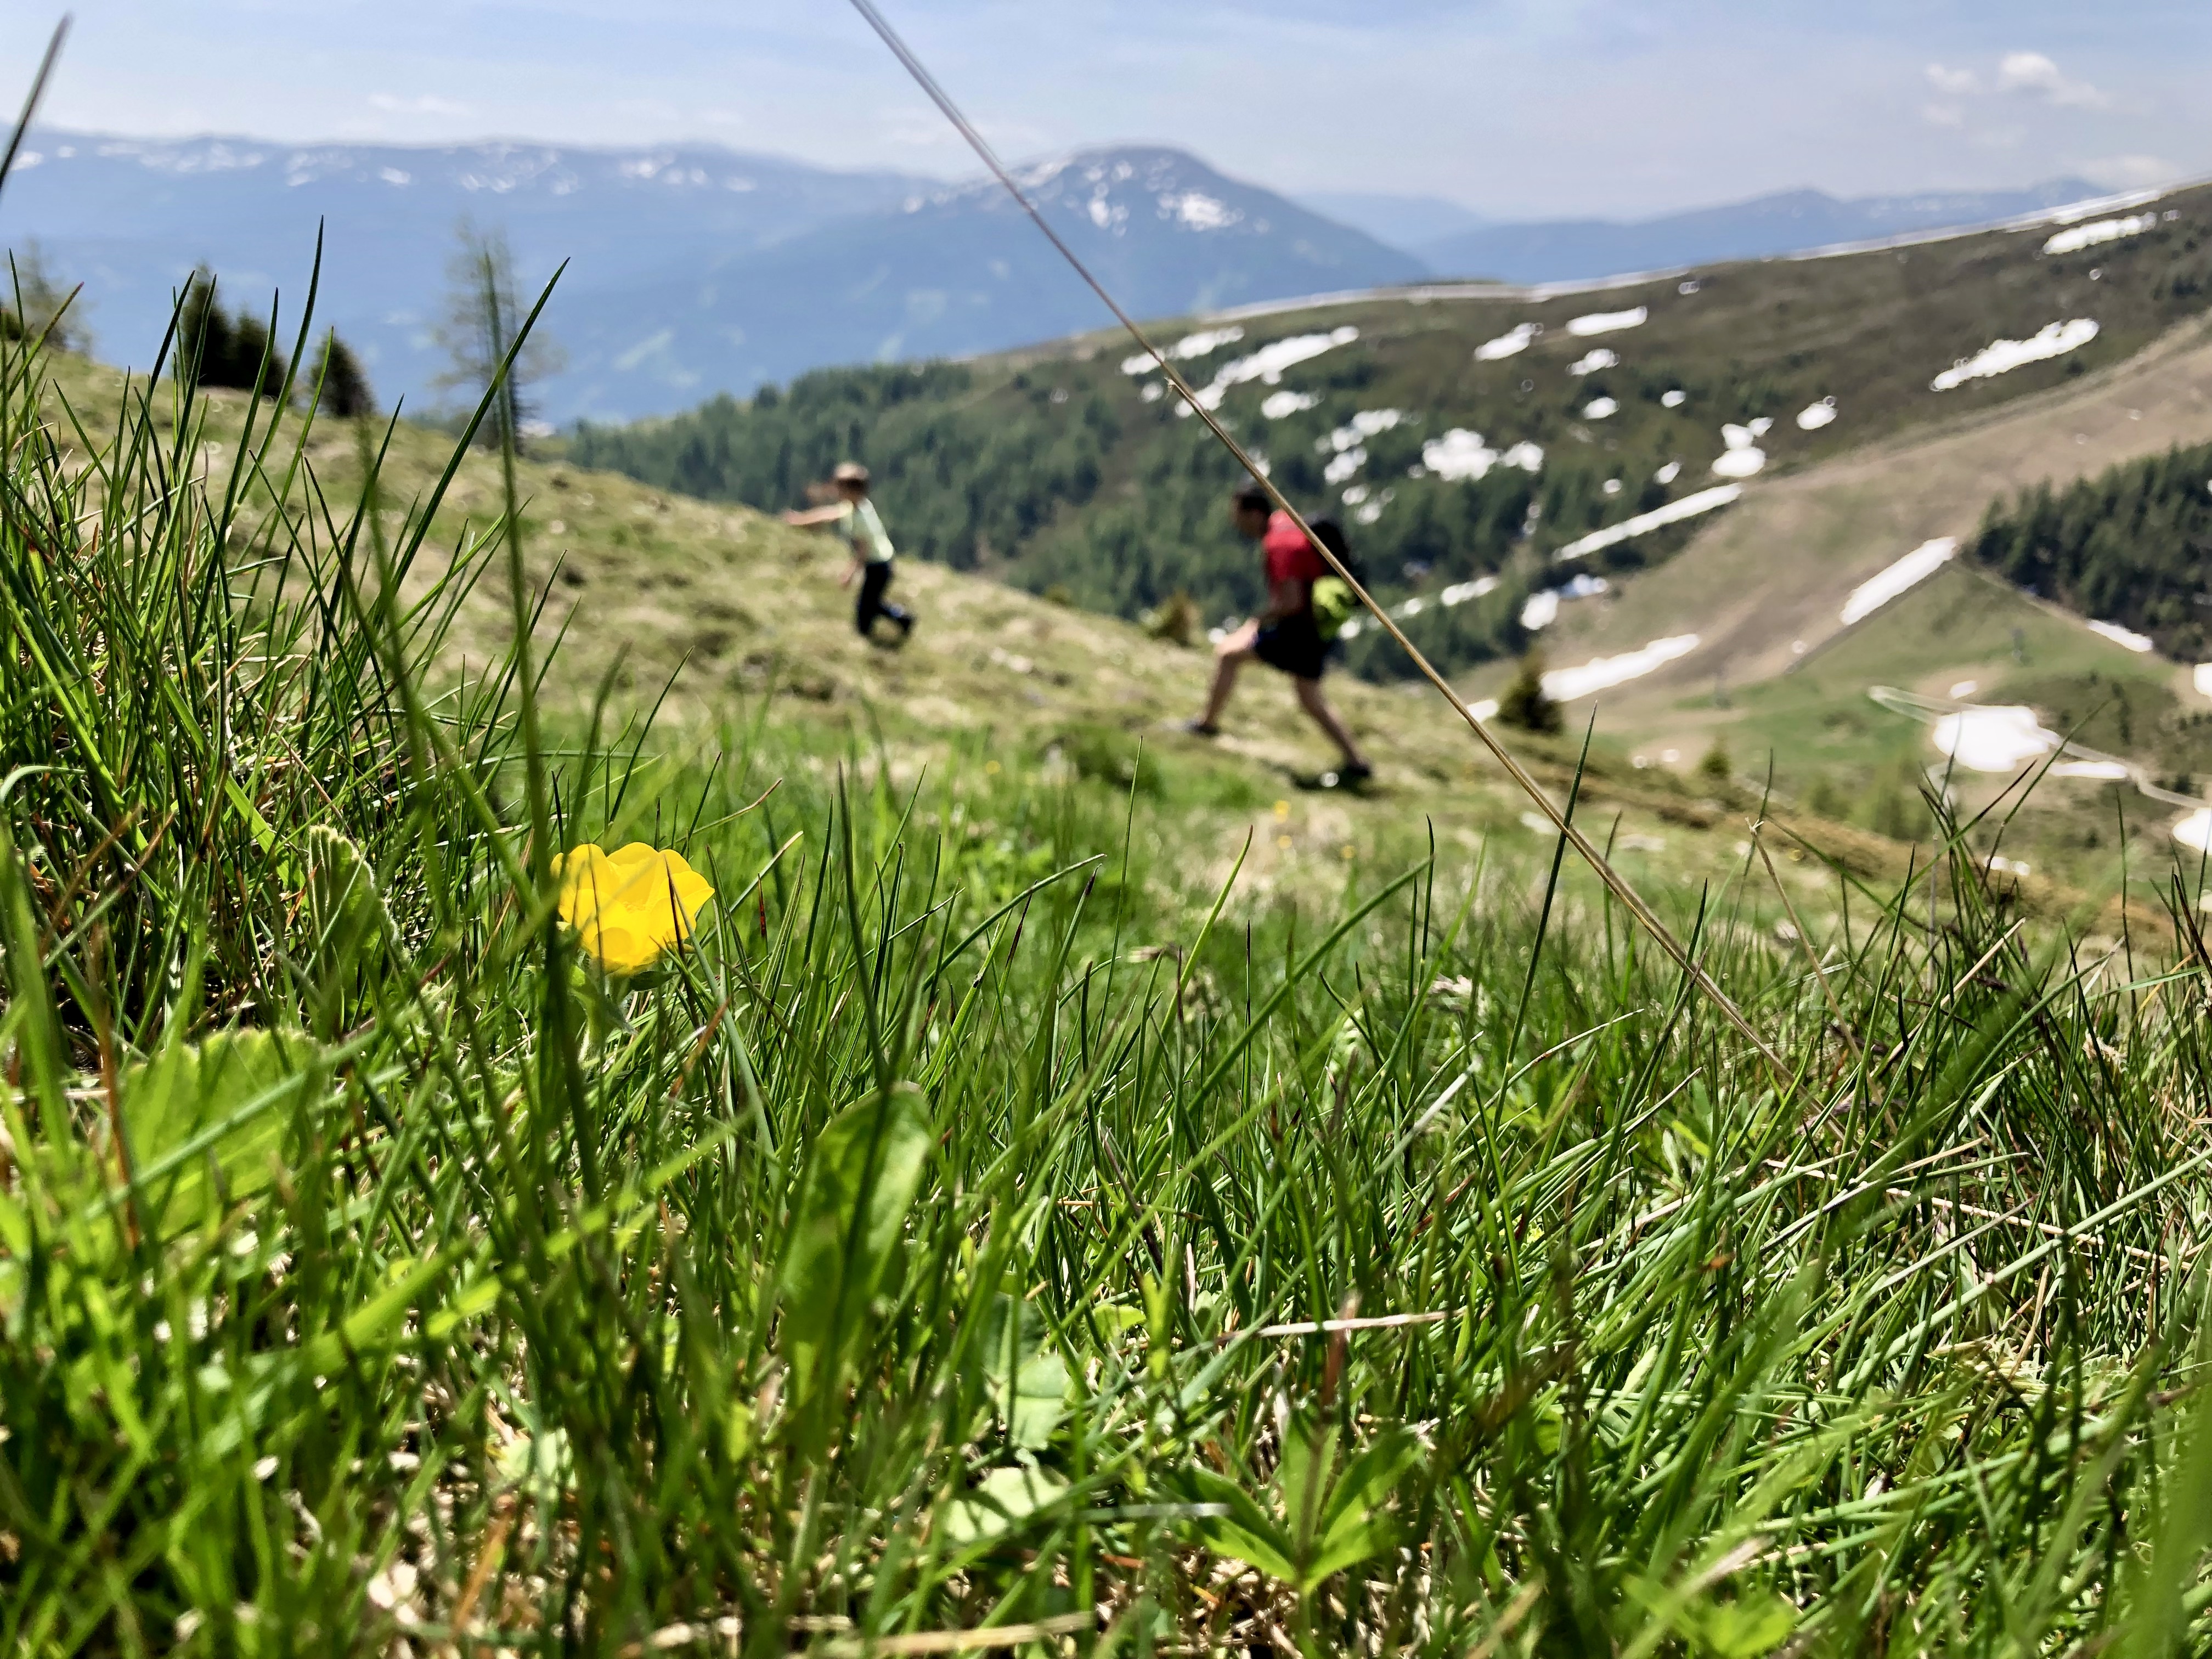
1790, 221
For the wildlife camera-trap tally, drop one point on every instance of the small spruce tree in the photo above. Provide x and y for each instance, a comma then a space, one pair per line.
1525, 704
214, 347
34, 305
1714, 768
344, 388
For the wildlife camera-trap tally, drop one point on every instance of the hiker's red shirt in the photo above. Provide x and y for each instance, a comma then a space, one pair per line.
1291, 556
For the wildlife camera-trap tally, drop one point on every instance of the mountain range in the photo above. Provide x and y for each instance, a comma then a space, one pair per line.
693, 269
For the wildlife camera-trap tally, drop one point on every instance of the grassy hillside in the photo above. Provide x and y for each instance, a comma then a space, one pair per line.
1003, 1212
694, 610
1050, 468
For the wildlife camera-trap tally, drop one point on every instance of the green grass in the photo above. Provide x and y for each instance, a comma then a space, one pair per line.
938, 1242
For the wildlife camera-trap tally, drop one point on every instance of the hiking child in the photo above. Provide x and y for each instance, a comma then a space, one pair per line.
861, 527
1288, 634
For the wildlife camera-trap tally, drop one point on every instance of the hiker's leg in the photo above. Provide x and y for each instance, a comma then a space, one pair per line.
1230, 655
873, 580
1311, 699
899, 614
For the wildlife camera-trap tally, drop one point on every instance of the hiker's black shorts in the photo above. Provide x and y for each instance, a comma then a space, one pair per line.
1295, 646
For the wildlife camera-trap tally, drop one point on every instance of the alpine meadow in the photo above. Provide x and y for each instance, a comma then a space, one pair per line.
555, 1101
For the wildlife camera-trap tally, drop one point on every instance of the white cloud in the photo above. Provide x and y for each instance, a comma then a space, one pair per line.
422, 104
2032, 73
1954, 83
1943, 115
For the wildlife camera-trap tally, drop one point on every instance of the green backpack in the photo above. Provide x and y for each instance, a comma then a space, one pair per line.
1333, 605
1331, 599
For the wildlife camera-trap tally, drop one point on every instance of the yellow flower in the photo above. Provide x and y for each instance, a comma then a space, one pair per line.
629, 907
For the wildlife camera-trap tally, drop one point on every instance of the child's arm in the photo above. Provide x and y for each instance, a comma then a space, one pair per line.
845, 576
817, 515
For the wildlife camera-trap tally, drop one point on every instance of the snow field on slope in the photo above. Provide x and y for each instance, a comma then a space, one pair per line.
2126, 638
2000, 738
1457, 595
1600, 673
1461, 454
1202, 343
2002, 356
2100, 232
1705, 500
1510, 344
1608, 322
1267, 363
1885, 585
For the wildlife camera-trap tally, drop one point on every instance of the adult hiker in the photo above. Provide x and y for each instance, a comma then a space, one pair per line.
1290, 634
861, 527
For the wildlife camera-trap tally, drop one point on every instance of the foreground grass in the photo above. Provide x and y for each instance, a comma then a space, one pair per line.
1003, 1218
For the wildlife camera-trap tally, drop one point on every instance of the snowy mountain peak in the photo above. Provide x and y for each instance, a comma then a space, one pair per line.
1115, 187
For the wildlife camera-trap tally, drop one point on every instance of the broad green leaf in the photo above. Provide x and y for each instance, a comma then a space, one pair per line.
1356, 1526
1248, 1532
1001, 1501
346, 915
1747, 1628
221, 1103
1301, 1480
1028, 1380
541, 1464
859, 1181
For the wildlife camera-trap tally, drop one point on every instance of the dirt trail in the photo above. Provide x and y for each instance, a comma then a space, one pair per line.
1777, 567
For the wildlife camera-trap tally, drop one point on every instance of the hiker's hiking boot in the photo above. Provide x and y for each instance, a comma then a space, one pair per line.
1352, 777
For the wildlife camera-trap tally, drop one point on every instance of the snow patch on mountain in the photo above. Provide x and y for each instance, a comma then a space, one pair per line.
1511, 344
1461, 455
1885, 585
1600, 673
2002, 356
2099, 232
1994, 739
1690, 506
1609, 322
2126, 638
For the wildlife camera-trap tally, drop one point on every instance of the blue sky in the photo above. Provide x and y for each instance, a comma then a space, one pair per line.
1512, 107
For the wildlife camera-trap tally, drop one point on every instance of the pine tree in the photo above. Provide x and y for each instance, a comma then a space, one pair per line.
214, 349
1525, 704
482, 315
345, 391
37, 307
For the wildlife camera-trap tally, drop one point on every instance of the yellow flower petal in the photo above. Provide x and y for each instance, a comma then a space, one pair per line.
621, 949
692, 889
630, 905
588, 881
